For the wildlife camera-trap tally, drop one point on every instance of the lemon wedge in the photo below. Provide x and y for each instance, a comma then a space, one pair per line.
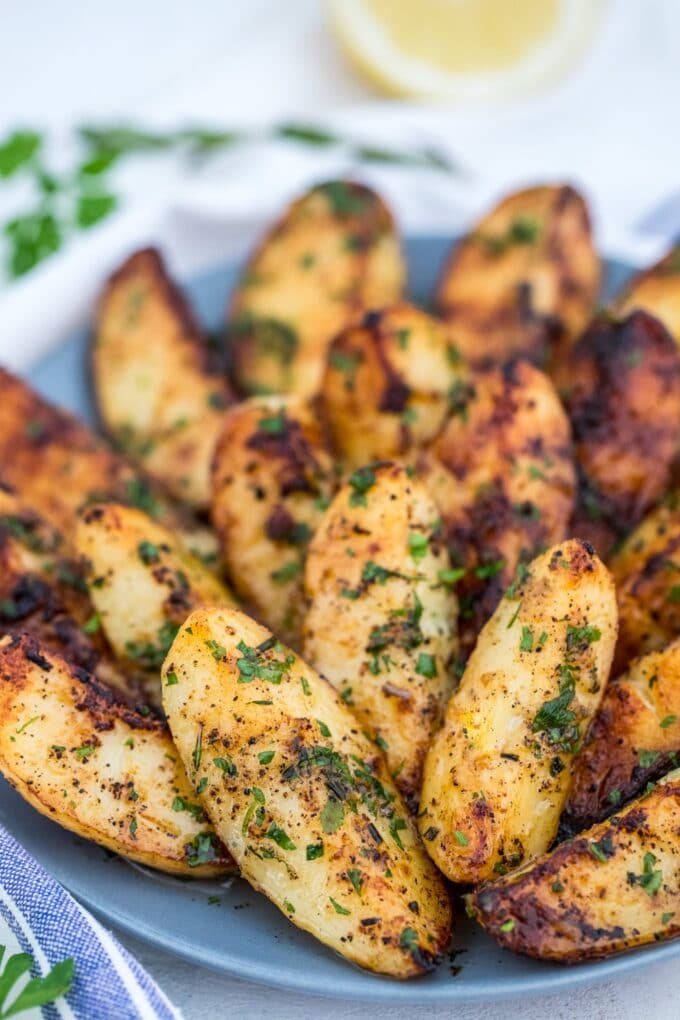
464, 50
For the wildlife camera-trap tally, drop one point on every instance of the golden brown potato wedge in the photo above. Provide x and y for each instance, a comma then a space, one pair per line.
624, 407
655, 290
381, 624
646, 570
56, 465
632, 739
502, 476
98, 767
615, 887
160, 388
142, 583
525, 280
332, 255
272, 479
301, 796
497, 774
389, 385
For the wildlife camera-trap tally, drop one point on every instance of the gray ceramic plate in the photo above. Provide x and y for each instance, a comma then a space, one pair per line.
243, 934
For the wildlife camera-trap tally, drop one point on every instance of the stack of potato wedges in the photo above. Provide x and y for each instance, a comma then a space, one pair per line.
365, 602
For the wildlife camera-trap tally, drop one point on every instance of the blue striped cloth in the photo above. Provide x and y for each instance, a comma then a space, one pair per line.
41, 918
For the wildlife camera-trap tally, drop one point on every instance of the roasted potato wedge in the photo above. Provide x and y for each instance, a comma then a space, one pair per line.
272, 478
632, 740
160, 388
614, 887
381, 624
655, 290
142, 583
624, 407
524, 282
646, 570
497, 774
301, 797
502, 476
389, 385
98, 767
332, 255
56, 465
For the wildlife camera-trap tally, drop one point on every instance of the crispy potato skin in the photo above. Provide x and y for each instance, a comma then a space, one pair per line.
502, 475
632, 739
160, 388
524, 281
645, 570
595, 895
624, 407
381, 626
333, 254
285, 760
389, 384
497, 774
655, 290
60, 730
56, 465
272, 476
142, 583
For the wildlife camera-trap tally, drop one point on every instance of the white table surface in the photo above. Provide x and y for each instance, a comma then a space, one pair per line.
258, 58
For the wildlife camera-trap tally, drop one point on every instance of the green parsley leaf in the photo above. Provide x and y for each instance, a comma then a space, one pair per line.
426, 665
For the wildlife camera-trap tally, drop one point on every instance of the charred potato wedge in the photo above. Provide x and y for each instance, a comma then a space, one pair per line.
301, 797
332, 255
646, 570
523, 283
624, 407
615, 887
502, 476
498, 773
143, 584
272, 478
56, 465
160, 387
61, 731
381, 624
656, 290
632, 740
389, 385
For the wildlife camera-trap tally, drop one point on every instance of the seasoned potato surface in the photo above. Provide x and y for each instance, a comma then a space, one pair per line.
655, 290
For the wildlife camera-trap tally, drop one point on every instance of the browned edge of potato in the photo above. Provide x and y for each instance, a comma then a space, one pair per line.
98, 767
614, 887
655, 290
301, 796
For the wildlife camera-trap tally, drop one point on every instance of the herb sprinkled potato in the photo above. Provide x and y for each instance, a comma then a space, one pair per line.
160, 386
143, 584
632, 740
381, 623
332, 255
655, 290
624, 405
98, 767
524, 281
498, 773
301, 796
389, 385
502, 475
614, 887
272, 479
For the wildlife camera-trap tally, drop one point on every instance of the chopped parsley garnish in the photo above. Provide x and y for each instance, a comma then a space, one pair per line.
579, 636
451, 576
356, 878
508, 925
361, 481
418, 545
151, 656
201, 849
148, 552
197, 752
325, 732
273, 425
217, 650
461, 838
521, 575
280, 837
668, 721
314, 851
85, 751
254, 662
426, 665
338, 908
332, 816
487, 570
526, 641
647, 758
92, 624
171, 678
602, 849
556, 719
347, 363
650, 880
287, 572
265, 757
195, 810
226, 764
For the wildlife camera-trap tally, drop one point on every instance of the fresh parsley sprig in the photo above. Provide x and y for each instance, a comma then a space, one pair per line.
36, 992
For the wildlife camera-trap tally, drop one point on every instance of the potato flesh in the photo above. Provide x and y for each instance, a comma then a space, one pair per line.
498, 773
388, 385
157, 392
272, 477
614, 887
371, 570
333, 254
655, 290
285, 761
98, 769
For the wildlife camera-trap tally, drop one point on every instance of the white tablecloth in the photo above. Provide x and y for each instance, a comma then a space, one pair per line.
612, 127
